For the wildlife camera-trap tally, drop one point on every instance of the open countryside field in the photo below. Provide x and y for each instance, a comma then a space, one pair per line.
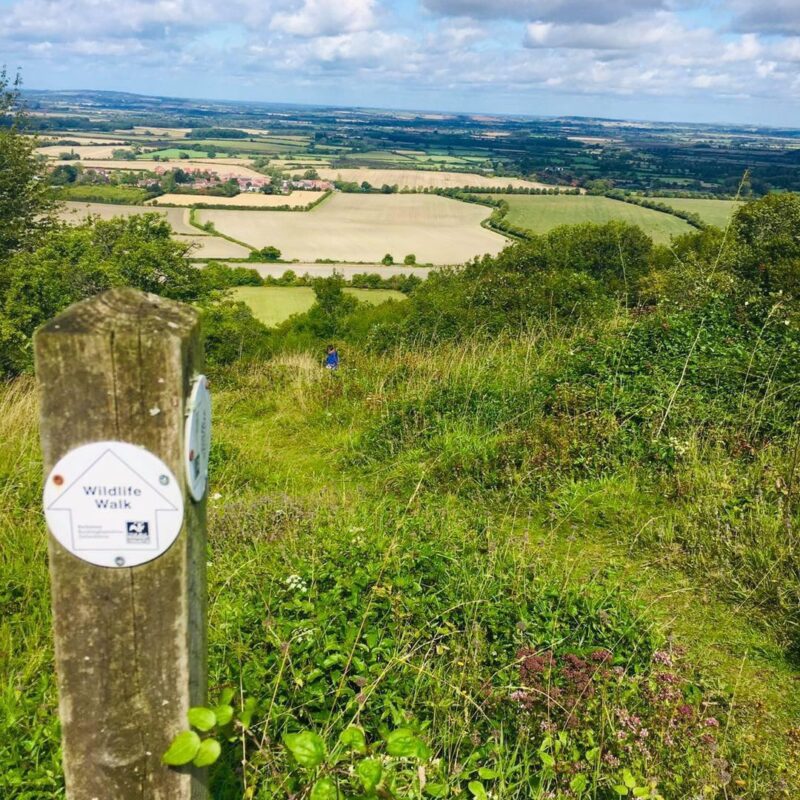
212, 247
541, 213
419, 178
170, 133
274, 304
75, 212
347, 271
235, 169
712, 212
89, 151
252, 199
364, 227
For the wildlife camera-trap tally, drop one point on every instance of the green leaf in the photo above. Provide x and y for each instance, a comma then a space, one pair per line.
208, 753
641, 791
487, 774
628, 779
246, 714
224, 714
204, 719
436, 789
547, 759
476, 790
353, 739
578, 783
226, 696
307, 748
370, 771
622, 791
325, 789
404, 742
183, 749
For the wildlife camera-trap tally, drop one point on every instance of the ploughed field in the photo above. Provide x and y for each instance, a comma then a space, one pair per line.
274, 304
541, 213
365, 227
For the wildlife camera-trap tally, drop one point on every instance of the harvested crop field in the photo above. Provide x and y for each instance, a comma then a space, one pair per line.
274, 304
420, 178
220, 166
347, 271
541, 213
365, 227
251, 199
213, 247
88, 151
178, 218
712, 212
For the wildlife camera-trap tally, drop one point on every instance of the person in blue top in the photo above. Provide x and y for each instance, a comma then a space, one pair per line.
332, 358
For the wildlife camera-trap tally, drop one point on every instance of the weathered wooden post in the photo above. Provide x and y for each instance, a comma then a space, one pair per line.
127, 550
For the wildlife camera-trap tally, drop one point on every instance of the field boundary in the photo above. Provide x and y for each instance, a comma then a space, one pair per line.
209, 229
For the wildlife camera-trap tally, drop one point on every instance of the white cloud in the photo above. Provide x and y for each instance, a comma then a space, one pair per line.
326, 18
766, 16
565, 11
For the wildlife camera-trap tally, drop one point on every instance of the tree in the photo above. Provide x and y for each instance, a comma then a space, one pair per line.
26, 209
410, 260
327, 314
387, 260
268, 253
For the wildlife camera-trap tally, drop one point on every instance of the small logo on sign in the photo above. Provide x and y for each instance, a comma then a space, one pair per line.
138, 532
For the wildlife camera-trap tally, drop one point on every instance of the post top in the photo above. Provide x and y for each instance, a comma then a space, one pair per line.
124, 311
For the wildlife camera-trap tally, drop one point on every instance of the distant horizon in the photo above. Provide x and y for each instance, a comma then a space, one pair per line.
731, 62
417, 110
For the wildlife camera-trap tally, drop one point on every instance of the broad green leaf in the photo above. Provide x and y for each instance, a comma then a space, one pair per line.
641, 791
204, 719
208, 753
370, 771
622, 791
547, 759
325, 789
476, 790
403, 742
307, 748
246, 714
578, 783
487, 774
628, 779
353, 738
436, 789
224, 714
226, 696
183, 749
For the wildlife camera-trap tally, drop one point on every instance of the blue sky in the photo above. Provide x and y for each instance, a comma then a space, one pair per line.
692, 60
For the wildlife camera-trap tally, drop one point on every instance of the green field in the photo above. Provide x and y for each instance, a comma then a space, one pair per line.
541, 213
274, 304
173, 152
102, 193
712, 212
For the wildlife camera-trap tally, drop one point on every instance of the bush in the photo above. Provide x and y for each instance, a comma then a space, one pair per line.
232, 333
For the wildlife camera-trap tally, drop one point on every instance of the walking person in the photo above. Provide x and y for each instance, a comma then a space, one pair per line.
332, 358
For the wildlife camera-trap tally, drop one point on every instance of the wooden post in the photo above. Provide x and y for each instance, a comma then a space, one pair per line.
130, 643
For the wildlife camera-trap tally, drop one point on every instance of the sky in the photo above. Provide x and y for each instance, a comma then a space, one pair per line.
681, 60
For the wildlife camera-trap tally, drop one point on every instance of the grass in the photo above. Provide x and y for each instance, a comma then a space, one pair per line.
173, 153
102, 193
541, 213
274, 304
340, 593
712, 212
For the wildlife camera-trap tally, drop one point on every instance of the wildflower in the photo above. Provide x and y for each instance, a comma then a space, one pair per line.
662, 657
711, 722
294, 583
